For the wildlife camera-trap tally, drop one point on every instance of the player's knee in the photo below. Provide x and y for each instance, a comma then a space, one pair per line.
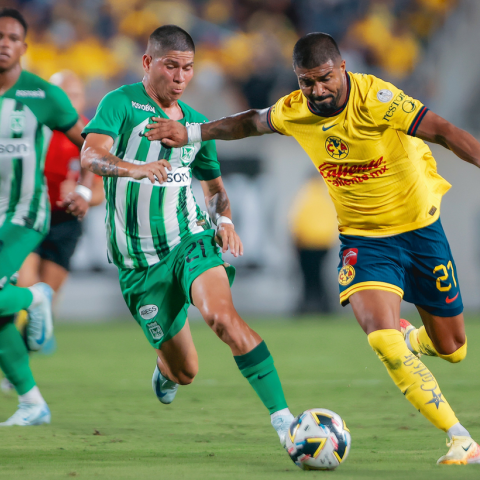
222, 323
186, 373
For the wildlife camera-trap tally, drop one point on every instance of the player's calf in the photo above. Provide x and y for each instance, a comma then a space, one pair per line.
419, 343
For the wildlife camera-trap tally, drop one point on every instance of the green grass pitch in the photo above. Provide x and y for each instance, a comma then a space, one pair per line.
107, 423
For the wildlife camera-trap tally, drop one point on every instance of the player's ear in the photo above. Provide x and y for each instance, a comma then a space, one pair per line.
147, 62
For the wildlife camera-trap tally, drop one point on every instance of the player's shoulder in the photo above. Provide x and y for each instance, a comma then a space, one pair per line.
31, 86
290, 104
192, 115
371, 88
124, 94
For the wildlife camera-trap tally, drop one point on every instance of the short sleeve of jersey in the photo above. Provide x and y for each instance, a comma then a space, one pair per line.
62, 116
206, 165
392, 108
110, 117
277, 115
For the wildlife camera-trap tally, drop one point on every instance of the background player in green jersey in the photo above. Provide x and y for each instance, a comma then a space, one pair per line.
30, 108
162, 243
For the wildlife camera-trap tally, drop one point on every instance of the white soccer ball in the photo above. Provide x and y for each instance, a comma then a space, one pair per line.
318, 439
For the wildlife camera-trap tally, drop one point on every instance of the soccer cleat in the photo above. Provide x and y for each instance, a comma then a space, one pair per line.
463, 450
28, 415
405, 329
281, 424
40, 324
164, 389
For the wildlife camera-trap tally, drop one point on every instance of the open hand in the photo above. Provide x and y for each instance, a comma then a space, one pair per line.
170, 132
227, 238
154, 171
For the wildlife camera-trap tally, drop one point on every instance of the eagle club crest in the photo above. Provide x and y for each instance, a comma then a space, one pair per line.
336, 147
347, 272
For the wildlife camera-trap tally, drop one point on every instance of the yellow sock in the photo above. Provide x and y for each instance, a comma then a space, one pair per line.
412, 377
421, 343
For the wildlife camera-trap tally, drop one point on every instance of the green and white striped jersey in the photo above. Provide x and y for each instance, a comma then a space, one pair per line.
29, 111
146, 221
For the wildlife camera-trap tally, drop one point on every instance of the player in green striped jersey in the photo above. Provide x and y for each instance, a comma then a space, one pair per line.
158, 237
30, 108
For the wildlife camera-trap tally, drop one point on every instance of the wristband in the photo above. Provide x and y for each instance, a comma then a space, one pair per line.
222, 219
84, 192
194, 133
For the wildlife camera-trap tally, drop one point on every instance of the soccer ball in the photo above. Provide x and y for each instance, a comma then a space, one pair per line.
318, 439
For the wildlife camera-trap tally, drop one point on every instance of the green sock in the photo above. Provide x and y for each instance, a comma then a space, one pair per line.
14, 358
258, 368
13, 299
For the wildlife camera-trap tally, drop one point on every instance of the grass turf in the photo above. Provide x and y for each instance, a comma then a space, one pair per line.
107, 423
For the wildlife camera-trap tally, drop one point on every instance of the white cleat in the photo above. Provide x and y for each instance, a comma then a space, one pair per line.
40, 324
28, 414
164, 389
463, 450
281, 424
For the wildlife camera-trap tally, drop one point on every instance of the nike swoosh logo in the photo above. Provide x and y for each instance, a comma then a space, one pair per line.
42, 339
328, 128
158, 391
263, 376
141, 134
193, 268
450, 300
466, 449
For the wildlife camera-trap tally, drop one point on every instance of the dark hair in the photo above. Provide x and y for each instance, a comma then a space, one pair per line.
12, 13
315, 49
169, 37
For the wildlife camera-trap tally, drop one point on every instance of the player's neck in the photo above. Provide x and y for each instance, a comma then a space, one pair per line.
9, 78
170, 107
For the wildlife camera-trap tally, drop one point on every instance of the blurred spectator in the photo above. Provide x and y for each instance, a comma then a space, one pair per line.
314, 231
249, 40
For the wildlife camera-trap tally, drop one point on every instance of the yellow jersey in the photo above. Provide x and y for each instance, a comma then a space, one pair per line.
382, 180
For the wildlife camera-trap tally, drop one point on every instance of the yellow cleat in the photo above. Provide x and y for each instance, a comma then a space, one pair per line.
463, 450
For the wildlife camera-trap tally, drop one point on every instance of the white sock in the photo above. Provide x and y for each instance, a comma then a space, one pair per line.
281, 413
37, 297
32, 397
458, 430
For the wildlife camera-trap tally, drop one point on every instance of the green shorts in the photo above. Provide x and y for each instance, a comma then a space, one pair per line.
158, 296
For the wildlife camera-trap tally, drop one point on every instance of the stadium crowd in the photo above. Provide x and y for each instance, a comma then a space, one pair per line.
246, 44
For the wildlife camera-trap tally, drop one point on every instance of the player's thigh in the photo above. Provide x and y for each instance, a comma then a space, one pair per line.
29, 273
376, 310
179, 353
211, 292
446, 333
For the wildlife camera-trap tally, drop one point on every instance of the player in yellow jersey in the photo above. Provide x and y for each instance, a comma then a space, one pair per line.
365, 136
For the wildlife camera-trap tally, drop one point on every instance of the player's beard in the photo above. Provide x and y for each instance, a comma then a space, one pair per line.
326, 108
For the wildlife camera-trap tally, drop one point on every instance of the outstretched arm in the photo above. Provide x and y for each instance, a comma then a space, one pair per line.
245, 124
97, 158
436, 129
218, 207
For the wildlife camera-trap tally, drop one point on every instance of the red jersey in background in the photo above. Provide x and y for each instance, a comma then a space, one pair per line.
62, 162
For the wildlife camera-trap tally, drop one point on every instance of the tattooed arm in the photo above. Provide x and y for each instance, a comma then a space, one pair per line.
251, 123
96, 157
218, 205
